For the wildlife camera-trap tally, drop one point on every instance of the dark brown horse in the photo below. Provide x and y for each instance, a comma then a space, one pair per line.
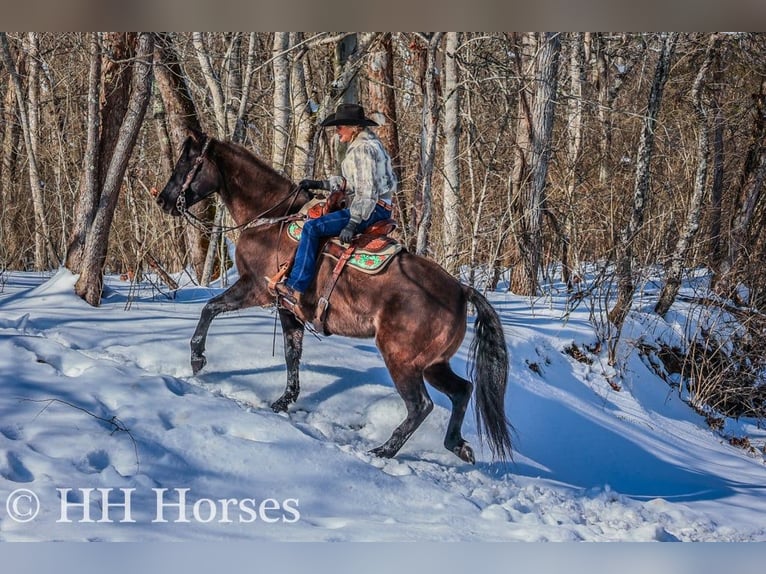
414, 309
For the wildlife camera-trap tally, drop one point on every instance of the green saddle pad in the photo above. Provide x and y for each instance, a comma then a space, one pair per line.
374, 259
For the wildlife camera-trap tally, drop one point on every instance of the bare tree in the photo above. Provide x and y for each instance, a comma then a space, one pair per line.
683, 246
181, 115
213, 84
747, 195
281, 103
345, 51
89, 181
715, 249
533, 141
430, 86
452, 199
111, 94
625, 250
45, 252
574, 129
303, 110
90, 283
381, 97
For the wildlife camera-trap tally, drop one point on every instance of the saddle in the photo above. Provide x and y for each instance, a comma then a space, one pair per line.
369, 252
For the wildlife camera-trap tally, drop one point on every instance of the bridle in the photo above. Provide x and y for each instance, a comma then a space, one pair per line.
203, 225
189, 179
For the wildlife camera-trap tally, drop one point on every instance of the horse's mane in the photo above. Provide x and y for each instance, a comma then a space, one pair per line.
240, 155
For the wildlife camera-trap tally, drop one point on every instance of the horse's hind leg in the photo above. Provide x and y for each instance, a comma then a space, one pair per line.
235, 297
411, 388
444, 379
292, 331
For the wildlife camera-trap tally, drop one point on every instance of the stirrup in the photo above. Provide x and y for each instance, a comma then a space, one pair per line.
277, 278
287, 300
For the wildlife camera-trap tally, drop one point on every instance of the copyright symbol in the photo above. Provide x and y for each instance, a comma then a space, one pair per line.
22, 505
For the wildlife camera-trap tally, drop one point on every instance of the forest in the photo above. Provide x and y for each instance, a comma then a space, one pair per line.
543, 157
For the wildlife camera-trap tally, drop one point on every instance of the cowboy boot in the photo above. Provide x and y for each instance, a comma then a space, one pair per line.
290, 299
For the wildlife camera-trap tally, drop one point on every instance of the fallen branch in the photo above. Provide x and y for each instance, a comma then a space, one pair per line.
116, 424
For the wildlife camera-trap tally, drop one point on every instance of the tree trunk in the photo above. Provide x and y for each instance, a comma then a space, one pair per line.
345, 91
428, 135
179, 105
45, 253
611, 72
521, 161
451, 236
381, 98
88, 192
534, 150
575, 106
232, 86
624, 263
281, 101
11, 240
181, 115
213, 85
345, 50
302, 114
167, 151
116, 50
542, 130
716, 188
240, 132
90, 284
747, 196
683, 246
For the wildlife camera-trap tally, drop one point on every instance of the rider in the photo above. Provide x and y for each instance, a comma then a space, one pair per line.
369, 182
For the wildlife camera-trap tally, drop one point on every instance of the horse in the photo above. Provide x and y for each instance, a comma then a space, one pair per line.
415, 310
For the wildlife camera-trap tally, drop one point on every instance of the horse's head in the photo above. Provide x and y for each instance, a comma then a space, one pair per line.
194, 176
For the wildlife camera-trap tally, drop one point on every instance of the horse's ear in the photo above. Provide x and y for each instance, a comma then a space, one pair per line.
195, 135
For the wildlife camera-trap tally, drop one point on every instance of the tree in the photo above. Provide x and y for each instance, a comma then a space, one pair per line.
45, 252
108, 90
533, 142
381, 98
304, 126
575, 109
181, 115
452, 200
225, 87
747, 195
625, 250
90, 283
686, 238
430, 87
281, 101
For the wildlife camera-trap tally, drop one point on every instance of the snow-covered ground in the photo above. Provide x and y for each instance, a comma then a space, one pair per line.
106, 435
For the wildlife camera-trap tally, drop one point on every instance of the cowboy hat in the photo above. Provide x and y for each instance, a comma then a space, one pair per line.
348, 115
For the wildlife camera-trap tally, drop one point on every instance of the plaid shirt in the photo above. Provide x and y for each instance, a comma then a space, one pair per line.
367, 175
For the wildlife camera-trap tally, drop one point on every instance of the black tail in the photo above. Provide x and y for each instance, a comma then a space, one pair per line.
489, 373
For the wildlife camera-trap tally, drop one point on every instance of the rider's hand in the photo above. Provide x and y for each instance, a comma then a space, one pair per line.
348, 232
308, 184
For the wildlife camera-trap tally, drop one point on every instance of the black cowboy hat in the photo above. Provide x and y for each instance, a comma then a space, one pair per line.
348, 115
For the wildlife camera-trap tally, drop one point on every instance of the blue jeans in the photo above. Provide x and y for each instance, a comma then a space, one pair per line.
314, 230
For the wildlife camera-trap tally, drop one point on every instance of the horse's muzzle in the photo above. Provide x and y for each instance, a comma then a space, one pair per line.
168, 207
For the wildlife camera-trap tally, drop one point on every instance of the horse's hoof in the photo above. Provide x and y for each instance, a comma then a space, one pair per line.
382, 452
465, 453
198, 363
280, 405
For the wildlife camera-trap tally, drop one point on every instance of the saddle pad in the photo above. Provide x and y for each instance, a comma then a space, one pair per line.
372, 258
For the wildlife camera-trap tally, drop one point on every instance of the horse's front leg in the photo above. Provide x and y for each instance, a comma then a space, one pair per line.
235, 297
292, 331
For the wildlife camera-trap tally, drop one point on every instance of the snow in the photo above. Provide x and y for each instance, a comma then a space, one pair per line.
105, 434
